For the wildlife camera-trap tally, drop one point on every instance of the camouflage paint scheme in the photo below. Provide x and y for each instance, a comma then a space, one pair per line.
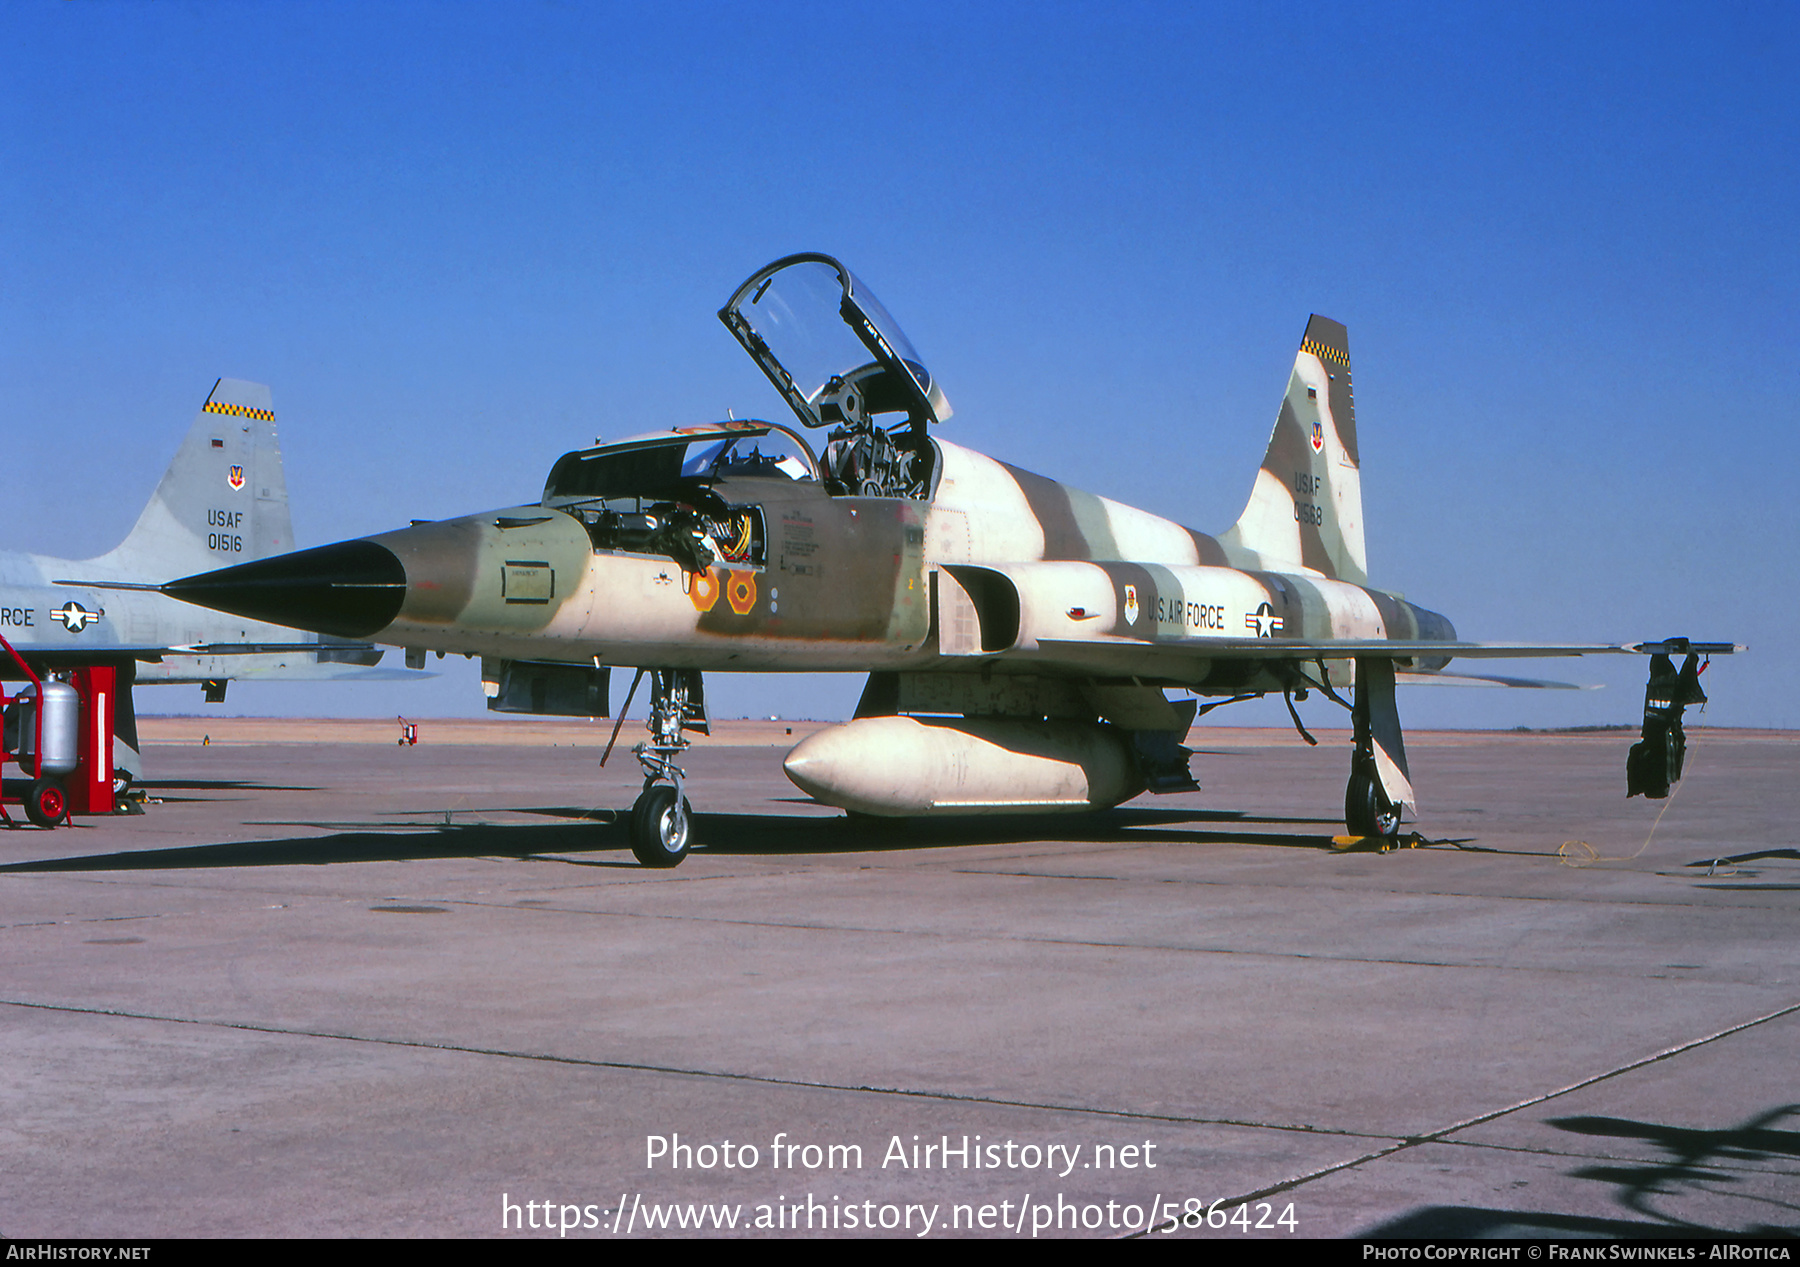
976, 589
1102, 589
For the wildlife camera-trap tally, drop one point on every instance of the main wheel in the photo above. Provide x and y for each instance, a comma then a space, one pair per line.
1367, 810
45, 804
659, 827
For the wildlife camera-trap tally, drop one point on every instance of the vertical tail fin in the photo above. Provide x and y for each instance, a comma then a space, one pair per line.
223, 499
1306, 506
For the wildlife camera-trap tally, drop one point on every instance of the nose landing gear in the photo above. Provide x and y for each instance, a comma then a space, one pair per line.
661, 819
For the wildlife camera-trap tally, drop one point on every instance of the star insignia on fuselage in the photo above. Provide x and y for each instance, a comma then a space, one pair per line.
1263, 621
74, 617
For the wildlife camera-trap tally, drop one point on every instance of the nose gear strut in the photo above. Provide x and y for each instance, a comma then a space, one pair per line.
661, 819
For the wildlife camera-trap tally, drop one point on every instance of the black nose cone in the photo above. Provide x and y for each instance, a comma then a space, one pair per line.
352, 589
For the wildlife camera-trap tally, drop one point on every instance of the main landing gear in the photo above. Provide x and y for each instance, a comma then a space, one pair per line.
1654, 763
1379, 782
661, 819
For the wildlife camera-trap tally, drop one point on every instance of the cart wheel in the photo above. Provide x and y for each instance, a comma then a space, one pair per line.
45, 804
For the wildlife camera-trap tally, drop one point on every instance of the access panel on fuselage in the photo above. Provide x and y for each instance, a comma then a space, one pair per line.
839, 569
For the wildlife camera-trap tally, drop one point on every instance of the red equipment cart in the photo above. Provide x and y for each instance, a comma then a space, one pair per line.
68, 763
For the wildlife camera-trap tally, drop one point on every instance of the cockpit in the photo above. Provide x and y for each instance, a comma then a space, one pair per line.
660, 494
841, 361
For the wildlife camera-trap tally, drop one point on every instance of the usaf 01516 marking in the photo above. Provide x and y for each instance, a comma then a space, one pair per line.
223, 499
1019, 634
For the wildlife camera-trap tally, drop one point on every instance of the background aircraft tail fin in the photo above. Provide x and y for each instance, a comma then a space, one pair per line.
1306, 505
223, 499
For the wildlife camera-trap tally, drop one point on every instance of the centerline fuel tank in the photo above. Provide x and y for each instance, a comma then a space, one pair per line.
904, 767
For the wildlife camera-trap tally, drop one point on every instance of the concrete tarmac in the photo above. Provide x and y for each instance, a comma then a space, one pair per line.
338, 987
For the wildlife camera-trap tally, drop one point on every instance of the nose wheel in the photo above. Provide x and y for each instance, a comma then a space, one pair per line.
660, 822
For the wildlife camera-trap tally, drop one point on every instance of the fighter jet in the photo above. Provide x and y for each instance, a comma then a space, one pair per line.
1020, 636
222, 499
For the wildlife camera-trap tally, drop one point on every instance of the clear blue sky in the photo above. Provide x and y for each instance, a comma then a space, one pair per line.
459, 239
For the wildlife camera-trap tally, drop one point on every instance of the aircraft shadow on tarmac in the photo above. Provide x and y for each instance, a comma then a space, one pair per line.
161, 789
166, 790
585, 831
1693, 1162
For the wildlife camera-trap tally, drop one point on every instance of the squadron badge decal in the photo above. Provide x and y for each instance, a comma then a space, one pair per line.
740, 591
236, 478
703, 591
1131, 605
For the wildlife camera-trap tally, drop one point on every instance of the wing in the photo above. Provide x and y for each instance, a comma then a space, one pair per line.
1405, 678
1186, 659
337, 650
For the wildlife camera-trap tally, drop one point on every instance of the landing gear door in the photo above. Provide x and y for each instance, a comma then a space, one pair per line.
829, 346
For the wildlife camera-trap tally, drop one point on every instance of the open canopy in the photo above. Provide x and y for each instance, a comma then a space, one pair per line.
829, 346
